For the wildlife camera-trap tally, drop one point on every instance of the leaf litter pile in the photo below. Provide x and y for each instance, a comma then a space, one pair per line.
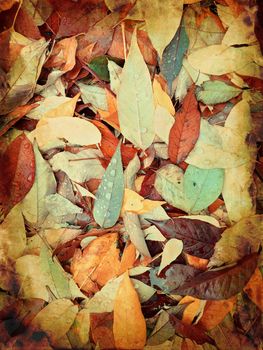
131, 174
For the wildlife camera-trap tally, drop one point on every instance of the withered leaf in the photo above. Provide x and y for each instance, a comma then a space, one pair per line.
221, 283
199, 237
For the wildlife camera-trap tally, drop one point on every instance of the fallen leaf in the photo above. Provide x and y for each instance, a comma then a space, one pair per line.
221, 59
216, 91
13, 234
221, 283
94, 95
133, 227
49, 130
235, 243
173, 55
198, 237
33, 205
163, 123
172, 249
135, 99
110, 193
79, 332
254, 289
193, 309
56, 318
218, 147
128, 258
38, 11
23, 75
169, 19
17, 172
129, 327
101, 330
185, 130
161, 98
215, 311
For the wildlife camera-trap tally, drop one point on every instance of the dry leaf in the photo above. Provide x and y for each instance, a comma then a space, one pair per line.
172, 249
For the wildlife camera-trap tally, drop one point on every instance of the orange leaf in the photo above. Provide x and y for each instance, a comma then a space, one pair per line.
215, 311
215, 205
98, 263
196, 262
110, 116
185, 131
128, 258
192, 310
129, 327
254, 289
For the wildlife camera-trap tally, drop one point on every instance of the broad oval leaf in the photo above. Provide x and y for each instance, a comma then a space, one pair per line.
199, 237
216, 91
17, 172
202, 187
135, 99
129, 327
221, 283
109, 195
185, 130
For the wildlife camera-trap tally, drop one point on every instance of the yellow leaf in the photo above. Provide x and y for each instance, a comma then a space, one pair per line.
54, 106
161, 28
221, 59
76, 131
192, 310
239, 180
129, 326
163, 122
79, 331
134, 203
13, 234
161, 98
172, 249
56, 318
254, 289
235, 241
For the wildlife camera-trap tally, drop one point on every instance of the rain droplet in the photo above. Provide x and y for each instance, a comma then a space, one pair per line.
30, 178
108, 195
112, 172
136, 76
110, 184
143, 130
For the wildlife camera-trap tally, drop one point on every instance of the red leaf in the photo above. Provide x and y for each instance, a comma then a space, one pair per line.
185, 130
17, 175
221, 283
199, 237
101, 330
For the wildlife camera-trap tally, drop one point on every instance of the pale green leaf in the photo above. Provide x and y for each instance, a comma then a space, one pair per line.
115, 76
135, 99
33, 205
94, 95
62, 286
109, 195
131, 171
59, 206
202, 187
79, 332
213, 92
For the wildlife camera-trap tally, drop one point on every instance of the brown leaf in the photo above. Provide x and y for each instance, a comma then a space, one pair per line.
17, 175
254, 289
185, 130
101, 330
221, 283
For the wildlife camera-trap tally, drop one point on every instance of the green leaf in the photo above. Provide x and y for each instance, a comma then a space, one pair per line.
191, 191
33, 205
202, 187
213, 92
100, 66
109, 195
61, 285
173, 55
95, 95
135, 99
